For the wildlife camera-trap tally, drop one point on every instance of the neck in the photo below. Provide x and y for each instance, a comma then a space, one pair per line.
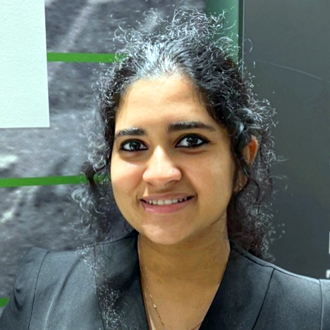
201, 259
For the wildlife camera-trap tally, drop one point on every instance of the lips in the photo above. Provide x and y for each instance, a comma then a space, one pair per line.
167, 201
166, 209
164, 197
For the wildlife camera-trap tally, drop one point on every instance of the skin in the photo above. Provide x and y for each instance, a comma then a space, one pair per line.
183, 254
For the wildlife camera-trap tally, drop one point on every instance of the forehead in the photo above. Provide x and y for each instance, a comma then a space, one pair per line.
167, 98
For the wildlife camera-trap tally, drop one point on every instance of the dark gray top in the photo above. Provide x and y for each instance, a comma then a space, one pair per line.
60, 291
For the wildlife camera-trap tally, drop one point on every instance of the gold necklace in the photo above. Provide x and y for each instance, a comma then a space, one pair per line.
155, 307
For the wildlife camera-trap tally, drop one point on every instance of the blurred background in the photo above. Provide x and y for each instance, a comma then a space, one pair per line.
285, 46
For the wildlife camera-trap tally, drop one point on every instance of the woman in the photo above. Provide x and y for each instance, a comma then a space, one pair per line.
187, 149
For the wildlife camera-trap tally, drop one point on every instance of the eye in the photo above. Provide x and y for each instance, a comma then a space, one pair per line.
192, 141
132, 145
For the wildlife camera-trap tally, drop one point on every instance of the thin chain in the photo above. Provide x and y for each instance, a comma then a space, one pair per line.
155, 307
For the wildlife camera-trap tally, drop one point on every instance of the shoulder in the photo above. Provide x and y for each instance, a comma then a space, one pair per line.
278, 273
39, 264
282, 282
44, 283
18, 312
303, 301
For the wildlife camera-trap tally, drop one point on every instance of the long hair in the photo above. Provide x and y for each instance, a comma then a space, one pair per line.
195, 45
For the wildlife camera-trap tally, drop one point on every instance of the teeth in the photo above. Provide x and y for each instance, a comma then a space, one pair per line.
166, 201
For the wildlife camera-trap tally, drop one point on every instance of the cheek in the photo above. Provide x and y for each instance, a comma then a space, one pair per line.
215, 179
125, 177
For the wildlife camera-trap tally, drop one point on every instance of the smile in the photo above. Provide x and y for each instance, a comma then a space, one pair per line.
166, 206
166, 201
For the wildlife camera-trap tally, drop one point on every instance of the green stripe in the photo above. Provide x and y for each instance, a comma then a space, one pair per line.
82, 57
3, 302
42, 181
47, 181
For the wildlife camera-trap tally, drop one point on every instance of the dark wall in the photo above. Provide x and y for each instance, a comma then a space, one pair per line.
291, 63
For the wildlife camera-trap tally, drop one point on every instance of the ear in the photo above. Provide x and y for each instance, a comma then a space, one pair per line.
249, 153
250, 150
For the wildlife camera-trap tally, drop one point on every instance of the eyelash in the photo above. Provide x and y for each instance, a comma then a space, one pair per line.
204, 141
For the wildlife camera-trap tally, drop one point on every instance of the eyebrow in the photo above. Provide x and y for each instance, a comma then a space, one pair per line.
175, 127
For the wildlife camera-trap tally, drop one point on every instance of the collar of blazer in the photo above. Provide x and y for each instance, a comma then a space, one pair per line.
236, 305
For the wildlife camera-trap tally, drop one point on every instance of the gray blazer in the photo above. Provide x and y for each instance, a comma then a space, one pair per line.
62, 291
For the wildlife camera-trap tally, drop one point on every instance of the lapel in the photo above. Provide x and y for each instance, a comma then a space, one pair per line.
236, 305
241, 294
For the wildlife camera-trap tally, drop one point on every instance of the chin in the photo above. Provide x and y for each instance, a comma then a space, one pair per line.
164, 237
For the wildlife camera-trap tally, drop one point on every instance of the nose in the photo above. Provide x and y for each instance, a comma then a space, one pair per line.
161, 170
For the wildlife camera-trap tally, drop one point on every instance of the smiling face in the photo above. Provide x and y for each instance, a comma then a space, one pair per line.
166, 148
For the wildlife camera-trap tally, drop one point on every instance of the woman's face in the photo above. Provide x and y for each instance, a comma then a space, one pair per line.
167, 148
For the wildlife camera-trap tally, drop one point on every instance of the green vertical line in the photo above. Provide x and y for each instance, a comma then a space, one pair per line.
233, 19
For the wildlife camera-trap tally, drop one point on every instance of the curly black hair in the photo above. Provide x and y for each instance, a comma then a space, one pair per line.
195, 45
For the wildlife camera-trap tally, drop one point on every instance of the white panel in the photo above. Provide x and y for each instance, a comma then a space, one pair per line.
23, 64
